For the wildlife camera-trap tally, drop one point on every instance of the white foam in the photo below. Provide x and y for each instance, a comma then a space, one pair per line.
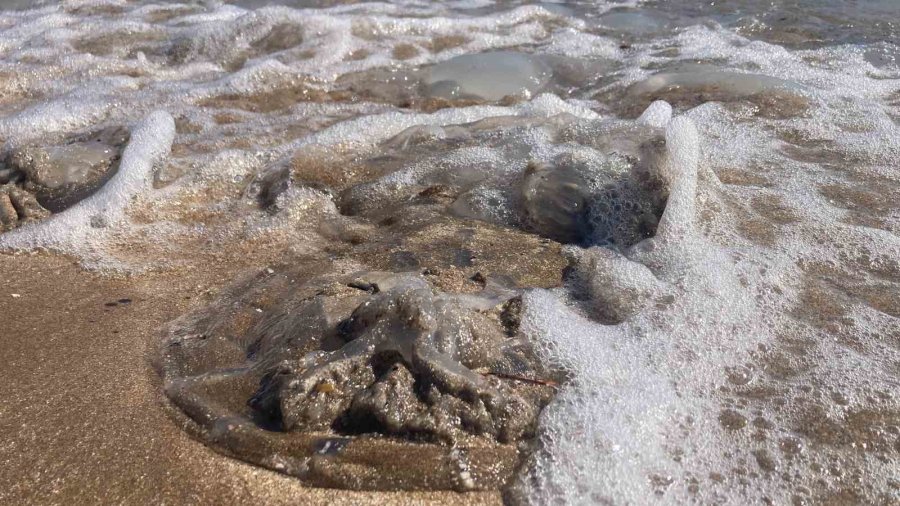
657, 114
602, 434
72, 112
680, 172
642, 391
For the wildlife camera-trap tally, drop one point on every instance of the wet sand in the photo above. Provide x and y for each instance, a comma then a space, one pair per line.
82, 418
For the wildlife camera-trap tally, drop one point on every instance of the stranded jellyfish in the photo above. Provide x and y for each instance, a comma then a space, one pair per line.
407, 341
38, 180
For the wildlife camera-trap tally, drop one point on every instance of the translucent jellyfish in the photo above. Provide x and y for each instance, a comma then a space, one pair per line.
18, 207
606, 187
38, 180
621, 283
691, 85
402, 334
636, 22
487, 76
701, 76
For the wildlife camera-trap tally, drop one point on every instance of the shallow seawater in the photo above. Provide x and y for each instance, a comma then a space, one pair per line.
631, 252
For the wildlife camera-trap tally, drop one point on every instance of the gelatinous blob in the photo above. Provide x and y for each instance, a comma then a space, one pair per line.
368, 352
401, 335
488, 76
700, 76
582, 182
18, 207
76, 226
691, 85
40, 180
642, 22
415, 355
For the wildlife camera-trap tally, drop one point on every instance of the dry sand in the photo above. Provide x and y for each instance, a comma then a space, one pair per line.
82, 417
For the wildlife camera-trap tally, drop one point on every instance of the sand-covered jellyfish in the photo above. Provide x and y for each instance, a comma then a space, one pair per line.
328, 369
323, 377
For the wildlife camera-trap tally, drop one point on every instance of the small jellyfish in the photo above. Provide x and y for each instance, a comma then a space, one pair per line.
487, 76
37, 180
692, 85
636, 22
